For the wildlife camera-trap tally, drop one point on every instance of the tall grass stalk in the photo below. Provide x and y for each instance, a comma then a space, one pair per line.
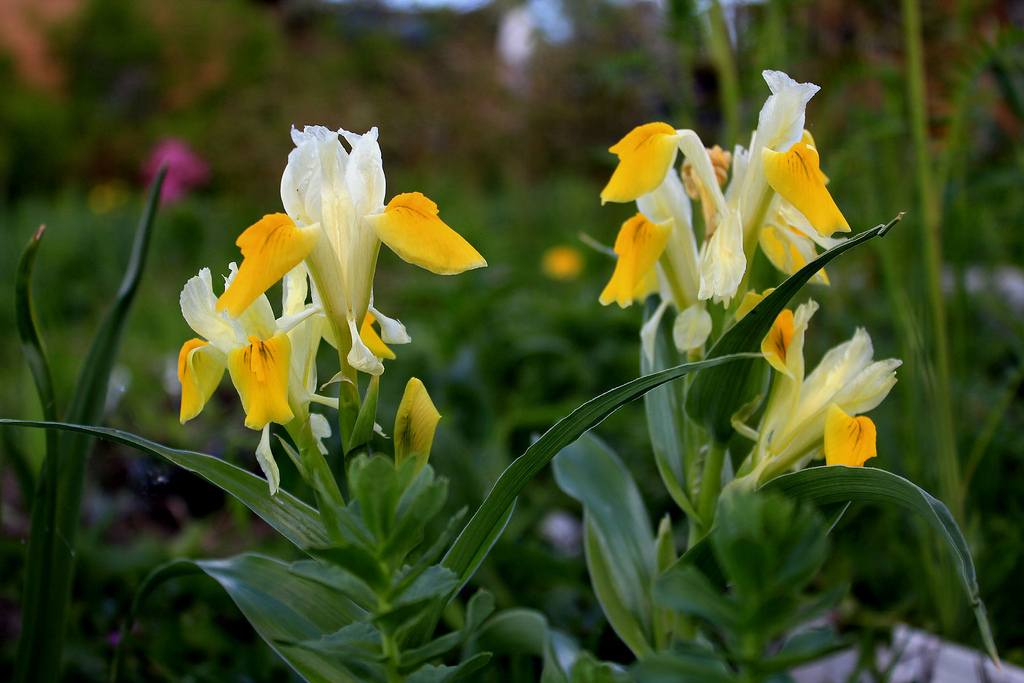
728, 75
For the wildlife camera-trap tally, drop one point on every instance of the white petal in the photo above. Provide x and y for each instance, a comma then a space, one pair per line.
781, 121
392, 331
198, 306
321, 429
364, 175
695, 151
295, 289
265, 457
723, 262
360, 357
692, 328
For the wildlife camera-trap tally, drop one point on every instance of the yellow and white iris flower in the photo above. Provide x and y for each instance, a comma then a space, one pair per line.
817, 415
335, 221
776, 184
271, 361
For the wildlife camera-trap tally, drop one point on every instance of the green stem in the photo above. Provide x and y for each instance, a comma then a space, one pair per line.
948, 462
728, 77
711, 484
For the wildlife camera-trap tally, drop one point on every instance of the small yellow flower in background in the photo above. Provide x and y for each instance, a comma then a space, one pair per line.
848, 440
415, 423
108, 196
562, 262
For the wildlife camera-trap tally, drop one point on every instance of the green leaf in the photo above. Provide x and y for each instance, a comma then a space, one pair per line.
620, 545
838, 484
684, 588
50, 565
715, 396
295, 520
665, 421
443, 674
285, 608
480, 607
493, 513
521, 631
374, 483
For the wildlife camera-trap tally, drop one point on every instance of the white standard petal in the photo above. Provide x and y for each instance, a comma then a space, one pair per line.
265, 457
364, 175
198, 306
697, 154
692, 328
723, 263
295, 289
781, 121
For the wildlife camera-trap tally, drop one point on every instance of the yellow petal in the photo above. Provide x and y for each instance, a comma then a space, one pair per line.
808, 140
639, 245
645, 156
260, 374
199, 375
410, 226
775, 345
372, 339
415, 423
848, 440
750, 299
797, 177
270, 248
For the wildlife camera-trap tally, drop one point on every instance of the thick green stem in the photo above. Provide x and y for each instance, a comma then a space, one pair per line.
711, 484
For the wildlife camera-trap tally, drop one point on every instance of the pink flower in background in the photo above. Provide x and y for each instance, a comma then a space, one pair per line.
186, 170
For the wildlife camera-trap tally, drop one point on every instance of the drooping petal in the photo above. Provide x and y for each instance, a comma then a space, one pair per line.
692, 328
199, 374
265, 457
259, 372
270, 248
797, 177
415, 423
723, 263
775, 346
373, 340
645, 156
848, 440
392, 331
639, 245
360, 356
412, 229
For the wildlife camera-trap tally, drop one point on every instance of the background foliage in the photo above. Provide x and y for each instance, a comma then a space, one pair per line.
515, 158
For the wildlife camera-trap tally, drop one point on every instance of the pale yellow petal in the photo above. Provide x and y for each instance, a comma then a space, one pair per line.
270, 248
639, 245
797, 177
415, 423
259, 372
645, 156
372, 339
775, 345
412, 229
199, 374
750, 299
848, 440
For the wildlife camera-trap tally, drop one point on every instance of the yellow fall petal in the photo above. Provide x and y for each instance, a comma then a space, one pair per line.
412, 229
848, 440
260, 374
415, 423
750, 299
776, 343
639, 245
797, 177
645, 156
808, 140
372, 339
199, 375
270, 248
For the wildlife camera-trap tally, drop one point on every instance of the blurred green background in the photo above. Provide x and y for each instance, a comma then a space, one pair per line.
502, 112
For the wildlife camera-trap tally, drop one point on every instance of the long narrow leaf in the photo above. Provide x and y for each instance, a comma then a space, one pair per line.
839, 484
295, 520
525, 467
39, 648
715, 396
